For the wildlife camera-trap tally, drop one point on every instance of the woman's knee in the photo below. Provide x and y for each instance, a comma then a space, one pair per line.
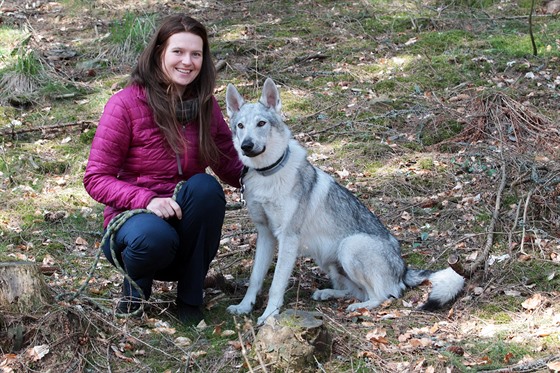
202, 189
148, 240
205, 184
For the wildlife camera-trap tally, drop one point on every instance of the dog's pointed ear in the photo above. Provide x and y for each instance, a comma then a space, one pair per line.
234, 101
270, 95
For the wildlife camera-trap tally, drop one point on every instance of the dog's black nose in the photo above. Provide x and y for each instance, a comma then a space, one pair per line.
247, 146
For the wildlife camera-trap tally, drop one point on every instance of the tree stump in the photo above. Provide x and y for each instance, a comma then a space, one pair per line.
293, 341
22, 287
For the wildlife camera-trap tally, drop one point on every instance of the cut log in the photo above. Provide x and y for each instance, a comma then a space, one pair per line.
22, 287
293, 341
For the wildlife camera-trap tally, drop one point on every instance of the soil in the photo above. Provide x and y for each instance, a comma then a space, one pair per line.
393, 338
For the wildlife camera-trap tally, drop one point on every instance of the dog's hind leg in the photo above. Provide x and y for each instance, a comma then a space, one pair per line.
263, 258
372, 264
343, 287
288, 249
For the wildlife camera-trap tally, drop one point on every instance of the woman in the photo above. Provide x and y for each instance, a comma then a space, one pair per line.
163, 128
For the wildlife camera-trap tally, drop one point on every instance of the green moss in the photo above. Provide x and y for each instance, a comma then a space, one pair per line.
415, 259
496, 312
442, 43
541, 274
497, 351
373, 167
426, 164
385, 86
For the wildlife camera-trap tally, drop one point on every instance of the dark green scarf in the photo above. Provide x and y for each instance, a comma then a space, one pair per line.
187, 111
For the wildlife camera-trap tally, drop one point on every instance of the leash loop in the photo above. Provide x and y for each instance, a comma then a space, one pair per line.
112, 228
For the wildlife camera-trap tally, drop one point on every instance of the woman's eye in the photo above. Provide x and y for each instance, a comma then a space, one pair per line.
261, 123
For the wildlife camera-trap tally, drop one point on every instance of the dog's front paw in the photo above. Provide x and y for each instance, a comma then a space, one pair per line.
239, 309
261, 320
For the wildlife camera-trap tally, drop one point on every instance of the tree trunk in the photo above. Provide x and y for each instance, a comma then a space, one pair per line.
293, 341
22, 287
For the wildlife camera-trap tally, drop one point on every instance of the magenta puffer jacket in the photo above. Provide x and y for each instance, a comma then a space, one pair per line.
129, 162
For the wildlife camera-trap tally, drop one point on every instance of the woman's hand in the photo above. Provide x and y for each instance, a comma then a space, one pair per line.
165, 208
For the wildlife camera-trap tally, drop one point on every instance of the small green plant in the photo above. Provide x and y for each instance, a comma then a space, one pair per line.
132, 31
23, 73
497, 352
26, 62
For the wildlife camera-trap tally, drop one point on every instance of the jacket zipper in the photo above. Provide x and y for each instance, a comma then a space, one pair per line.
179, 166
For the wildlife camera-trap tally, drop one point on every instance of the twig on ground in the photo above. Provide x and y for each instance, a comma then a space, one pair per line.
525, 367
13, 132
242, 345
490, 235
525, 220
510, 236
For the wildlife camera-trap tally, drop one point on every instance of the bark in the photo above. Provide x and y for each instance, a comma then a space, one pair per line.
294, 341
22, 287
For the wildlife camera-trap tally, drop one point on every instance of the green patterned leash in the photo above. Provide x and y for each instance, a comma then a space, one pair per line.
114, 225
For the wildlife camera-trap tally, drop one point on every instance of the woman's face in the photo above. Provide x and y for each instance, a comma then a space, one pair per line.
182, 58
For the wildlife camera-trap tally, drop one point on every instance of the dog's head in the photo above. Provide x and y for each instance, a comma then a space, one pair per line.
260, 135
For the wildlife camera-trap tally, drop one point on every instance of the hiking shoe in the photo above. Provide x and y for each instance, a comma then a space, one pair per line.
189, 315
129, 306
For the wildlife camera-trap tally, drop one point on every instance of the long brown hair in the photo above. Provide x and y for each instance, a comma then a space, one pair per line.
160, 91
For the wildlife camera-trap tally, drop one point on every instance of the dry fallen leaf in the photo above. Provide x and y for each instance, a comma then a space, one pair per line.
343, 174
7, 359
197, 354
121, 356
227, 333
554, 366
508, 357
457, 350
420, 342
165, 330
80, 241
201, 325
236, 345
182, 341
377, 336
533, 303
368, 354
482, 361
36, 353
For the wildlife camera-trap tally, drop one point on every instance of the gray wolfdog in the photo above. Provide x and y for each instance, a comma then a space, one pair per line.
304, 211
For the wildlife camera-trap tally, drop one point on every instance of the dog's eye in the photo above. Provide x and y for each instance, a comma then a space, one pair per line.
261, 123
240, 125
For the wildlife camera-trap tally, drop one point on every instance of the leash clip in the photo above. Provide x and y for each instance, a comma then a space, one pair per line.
242, 198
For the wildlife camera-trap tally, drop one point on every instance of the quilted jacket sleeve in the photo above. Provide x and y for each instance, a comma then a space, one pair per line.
230, 167
109, 150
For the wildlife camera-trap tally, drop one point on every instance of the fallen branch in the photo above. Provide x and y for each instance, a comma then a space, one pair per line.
490, 235
455, 264
310, 57
531, 366
526, 207
13, 132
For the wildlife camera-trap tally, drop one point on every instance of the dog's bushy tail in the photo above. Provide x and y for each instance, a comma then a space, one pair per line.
446, 286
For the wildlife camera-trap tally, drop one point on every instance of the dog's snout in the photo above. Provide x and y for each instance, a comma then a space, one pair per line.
247, 146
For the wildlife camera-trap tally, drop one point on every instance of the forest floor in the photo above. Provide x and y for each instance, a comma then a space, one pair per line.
437, 116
